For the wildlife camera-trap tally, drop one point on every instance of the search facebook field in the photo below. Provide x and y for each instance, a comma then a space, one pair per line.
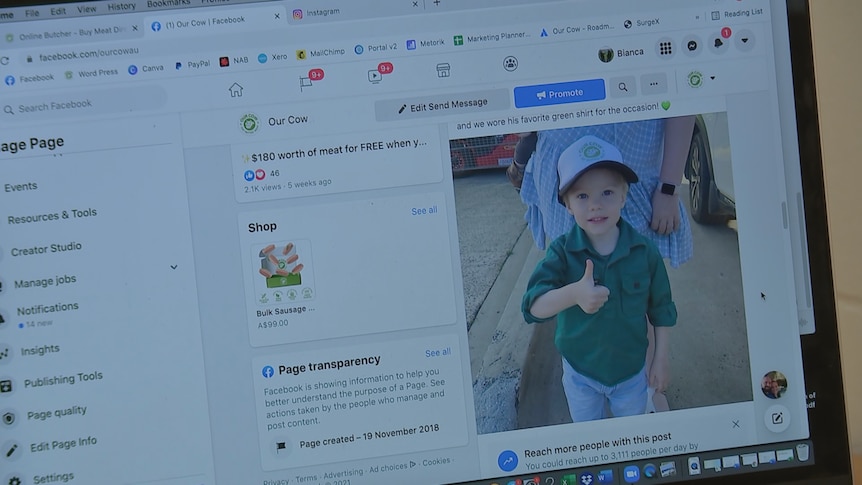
335, 164
83, 103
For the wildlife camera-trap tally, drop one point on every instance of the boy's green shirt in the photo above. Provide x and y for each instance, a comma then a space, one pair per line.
609, 345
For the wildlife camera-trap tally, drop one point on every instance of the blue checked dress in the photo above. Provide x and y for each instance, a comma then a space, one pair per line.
641, 144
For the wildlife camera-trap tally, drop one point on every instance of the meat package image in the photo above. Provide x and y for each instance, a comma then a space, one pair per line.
284, 272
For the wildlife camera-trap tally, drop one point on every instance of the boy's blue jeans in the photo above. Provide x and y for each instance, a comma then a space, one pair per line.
587, 397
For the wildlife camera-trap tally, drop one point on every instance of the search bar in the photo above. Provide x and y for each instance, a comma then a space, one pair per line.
85, 103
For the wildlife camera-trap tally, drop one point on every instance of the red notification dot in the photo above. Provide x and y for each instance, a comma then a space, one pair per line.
385, 68
316, 74
726, 32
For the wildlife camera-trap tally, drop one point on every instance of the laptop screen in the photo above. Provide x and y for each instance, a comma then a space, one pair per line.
413, 241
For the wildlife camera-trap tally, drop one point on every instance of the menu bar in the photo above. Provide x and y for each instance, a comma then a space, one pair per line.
87, 9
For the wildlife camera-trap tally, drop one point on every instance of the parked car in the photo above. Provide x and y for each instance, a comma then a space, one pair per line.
482, 152
709, 172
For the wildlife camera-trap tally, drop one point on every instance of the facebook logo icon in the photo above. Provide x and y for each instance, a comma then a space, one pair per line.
268, 371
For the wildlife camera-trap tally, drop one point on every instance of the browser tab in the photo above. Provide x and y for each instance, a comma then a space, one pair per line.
169, 24
333, 11
70, 31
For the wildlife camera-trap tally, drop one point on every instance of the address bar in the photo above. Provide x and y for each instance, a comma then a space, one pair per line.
59, 54
214, 21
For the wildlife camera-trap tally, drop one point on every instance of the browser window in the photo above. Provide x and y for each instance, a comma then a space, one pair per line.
275, 243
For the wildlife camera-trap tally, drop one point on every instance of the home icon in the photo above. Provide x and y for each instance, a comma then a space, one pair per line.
235, 90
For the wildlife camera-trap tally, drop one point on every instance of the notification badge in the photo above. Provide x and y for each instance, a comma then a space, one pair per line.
316, 74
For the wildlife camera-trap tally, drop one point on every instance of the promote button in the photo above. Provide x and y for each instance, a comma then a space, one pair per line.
559, 93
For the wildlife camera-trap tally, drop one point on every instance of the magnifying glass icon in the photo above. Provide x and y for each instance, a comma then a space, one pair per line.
623, 87
8, 109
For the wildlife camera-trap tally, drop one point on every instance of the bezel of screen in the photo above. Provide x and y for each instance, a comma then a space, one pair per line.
828, 423
820, 351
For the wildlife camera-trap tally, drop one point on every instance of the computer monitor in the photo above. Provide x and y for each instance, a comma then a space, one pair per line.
411, 241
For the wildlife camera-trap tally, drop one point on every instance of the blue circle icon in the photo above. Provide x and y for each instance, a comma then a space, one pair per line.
133, 69
10, 80
650, 471
156, 26
268, 371
358, 49
261, 58
507, 461
248, 175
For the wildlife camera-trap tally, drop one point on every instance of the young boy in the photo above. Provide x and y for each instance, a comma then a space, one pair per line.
603, 279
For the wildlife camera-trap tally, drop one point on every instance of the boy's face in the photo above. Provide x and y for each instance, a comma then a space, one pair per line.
596, 199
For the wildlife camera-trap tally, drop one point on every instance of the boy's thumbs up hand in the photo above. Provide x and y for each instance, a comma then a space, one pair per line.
588, 274
588, 295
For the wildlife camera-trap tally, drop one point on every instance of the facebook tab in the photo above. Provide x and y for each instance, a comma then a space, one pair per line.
559, 93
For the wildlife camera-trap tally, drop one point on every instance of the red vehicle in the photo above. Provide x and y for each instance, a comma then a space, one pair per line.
482, 152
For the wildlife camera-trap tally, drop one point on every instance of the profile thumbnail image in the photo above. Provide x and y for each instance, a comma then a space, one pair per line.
283, 272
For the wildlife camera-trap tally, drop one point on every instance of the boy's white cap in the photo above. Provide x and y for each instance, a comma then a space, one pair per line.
586, 153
